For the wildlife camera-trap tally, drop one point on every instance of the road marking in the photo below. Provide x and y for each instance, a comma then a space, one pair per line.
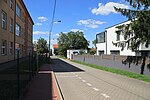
95, 89
80, 78
76, 75
105, 95
66, 76
89, 84
83, 81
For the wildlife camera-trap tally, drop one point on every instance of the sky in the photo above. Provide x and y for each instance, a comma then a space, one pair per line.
88, 16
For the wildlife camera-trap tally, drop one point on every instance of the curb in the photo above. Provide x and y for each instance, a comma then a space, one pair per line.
56, 92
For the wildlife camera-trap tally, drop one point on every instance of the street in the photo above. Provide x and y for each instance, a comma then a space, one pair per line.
79, 82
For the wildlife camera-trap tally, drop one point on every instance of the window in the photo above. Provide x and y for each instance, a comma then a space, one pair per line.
118, 35
115, 52
18, 11
11, 25
100, 38
11, 48
4, 20
100, 52
11, 4
18, 30
3, 47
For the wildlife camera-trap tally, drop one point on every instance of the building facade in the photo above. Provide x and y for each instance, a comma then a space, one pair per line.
16, 30
106, 39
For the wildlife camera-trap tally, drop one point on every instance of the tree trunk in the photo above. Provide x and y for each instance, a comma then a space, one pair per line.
143, 65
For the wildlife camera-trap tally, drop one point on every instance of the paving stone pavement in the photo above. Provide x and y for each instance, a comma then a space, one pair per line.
40, 88
79, 82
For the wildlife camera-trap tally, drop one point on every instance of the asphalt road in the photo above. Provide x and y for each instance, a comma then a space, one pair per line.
79, 82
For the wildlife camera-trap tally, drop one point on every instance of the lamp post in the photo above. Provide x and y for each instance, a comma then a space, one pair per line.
50, 36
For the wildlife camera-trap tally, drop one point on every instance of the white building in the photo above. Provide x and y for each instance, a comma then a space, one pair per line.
106, 39
70, 53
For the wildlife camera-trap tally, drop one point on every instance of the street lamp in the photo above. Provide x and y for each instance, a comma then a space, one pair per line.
50, 35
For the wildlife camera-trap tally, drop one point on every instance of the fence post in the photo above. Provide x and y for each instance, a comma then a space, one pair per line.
113, 57
18, 75
29, 68
101, 56
32, 63
37, 61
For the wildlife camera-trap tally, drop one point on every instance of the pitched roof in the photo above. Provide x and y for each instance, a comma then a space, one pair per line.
55, 46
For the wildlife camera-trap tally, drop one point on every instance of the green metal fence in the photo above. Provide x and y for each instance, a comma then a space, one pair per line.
15, 78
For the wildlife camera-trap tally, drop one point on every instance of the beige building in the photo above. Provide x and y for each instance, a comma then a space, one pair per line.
16, 30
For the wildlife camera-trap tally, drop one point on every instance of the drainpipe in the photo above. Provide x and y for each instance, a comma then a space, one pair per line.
14, 29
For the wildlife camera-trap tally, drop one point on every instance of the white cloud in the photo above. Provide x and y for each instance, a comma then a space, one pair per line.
39, 24
40, 32
108, 8
75, 30
57, 35
42, 19
90, 23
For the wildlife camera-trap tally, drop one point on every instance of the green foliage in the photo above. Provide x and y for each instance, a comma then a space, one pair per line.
137, 32
42, 46
92, 51
71, 40
94, 43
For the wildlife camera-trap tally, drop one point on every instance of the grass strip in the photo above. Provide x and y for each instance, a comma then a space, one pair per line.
117, 71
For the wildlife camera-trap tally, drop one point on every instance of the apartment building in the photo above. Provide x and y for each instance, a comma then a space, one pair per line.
16, 30
106, 39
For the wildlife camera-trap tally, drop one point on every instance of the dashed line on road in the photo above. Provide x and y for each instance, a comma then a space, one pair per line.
96, 89
79, 77
83, 81
105, 95
89, 84
76, 75
66, 76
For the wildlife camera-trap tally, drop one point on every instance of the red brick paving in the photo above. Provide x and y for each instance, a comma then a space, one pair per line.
43, 86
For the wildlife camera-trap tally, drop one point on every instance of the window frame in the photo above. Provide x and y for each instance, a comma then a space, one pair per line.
115, 52
100, 36
101, 52
4, 47
18, 11
11, 25
11, 48
118, 33
4, 20
18, 29
11, 4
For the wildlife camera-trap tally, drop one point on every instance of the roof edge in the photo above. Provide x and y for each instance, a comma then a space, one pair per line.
117, 24
27, 11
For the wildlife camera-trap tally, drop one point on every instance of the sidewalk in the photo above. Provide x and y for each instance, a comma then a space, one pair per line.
43, 86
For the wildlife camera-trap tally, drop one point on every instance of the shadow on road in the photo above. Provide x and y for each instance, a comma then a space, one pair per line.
61, 66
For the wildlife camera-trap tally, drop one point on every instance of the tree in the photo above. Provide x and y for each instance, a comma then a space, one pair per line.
92, 51
137, 32
42, 46
71, 40
94, 43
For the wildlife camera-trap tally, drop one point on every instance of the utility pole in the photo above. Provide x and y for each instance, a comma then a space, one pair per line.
51, 27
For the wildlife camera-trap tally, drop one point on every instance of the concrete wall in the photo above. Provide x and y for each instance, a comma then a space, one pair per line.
112, 61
